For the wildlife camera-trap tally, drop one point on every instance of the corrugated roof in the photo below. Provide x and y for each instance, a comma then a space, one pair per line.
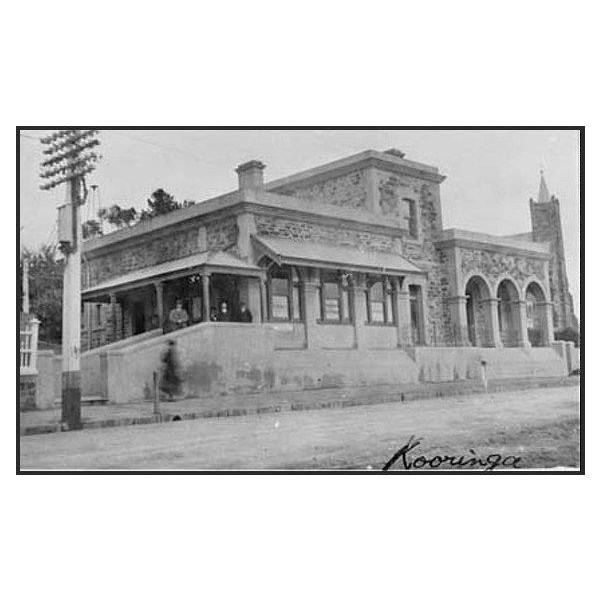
325, 255
220, 260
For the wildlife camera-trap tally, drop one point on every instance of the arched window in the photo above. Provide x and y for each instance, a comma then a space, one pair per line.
333, 297
379, 302
284, 290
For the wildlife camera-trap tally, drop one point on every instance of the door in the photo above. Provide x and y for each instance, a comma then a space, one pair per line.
139, 318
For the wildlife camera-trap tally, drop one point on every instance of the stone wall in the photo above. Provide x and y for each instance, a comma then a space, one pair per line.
547, 227
172, 245
327, 234
222, 234
498, 265
393, 189
347, 190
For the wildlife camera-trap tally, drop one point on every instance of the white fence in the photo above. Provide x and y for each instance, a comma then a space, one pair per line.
29, 344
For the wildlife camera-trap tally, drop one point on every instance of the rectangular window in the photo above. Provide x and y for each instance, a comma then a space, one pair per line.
377, 298
377, 312
410, 216
280, 308
331, 291
280, 302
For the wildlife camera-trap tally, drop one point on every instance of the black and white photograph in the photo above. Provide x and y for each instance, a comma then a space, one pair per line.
299, 300
295, 300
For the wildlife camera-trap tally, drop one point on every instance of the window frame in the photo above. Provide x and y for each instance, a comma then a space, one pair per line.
346, 317
390, 311
294, 288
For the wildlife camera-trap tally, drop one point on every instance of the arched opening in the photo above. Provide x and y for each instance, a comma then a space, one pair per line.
537, 326
479, 318
508, 313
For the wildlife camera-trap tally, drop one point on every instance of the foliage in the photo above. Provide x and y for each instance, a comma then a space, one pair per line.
159, 203
162, 203
567, 334
45, 290
91, 229
117, 216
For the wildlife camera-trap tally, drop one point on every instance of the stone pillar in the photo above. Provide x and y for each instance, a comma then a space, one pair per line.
311, 308
402, 315
494, 325
458, 310
359, 306
549, 322
521, 314
263, 299
253, 299
111, 333
206, 297
160, 308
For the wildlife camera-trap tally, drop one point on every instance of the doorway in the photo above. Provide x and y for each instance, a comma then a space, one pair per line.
139, 318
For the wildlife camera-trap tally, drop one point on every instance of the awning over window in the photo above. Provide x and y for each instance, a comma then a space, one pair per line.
333, 257
217, 262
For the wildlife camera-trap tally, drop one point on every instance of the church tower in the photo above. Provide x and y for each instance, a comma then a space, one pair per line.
547, 227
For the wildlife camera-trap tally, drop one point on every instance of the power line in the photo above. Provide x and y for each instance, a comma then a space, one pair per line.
163, 146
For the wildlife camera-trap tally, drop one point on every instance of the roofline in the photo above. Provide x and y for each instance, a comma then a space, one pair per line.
366, 159
251, 201
205, 268
200, 209
473, 239
328, 263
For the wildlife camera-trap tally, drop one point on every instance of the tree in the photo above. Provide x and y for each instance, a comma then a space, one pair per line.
117, 216
567, 334
91, 229
159, 203
46, 269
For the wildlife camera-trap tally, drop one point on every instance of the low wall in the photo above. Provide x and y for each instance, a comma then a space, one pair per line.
230, 358
447, 364
380, 337
455, 364
234, 358
568, 353
28, 392
503, 363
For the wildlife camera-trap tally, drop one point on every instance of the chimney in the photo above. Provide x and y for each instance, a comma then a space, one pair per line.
250, 175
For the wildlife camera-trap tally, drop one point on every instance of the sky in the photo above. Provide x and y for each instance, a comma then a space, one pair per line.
490, 174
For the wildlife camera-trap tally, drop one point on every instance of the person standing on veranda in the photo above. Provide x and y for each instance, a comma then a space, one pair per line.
178, 317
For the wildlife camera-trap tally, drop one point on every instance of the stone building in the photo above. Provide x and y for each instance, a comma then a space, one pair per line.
348, 273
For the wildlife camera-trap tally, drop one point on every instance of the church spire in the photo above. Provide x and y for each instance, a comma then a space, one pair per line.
543, 195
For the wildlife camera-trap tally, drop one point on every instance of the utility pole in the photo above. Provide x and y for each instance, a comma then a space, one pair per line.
70, 159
